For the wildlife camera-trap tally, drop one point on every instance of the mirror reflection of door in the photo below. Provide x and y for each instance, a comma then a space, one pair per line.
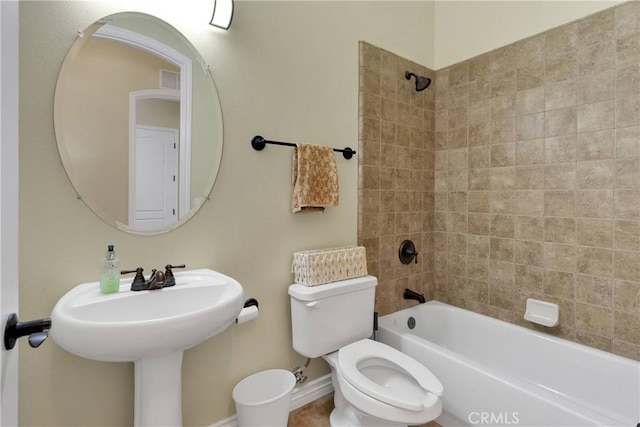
155, 189
154, 162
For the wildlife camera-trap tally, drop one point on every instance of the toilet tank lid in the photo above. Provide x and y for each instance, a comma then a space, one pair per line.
310, 293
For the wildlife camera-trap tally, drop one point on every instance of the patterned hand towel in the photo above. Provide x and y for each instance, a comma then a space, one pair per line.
314, 177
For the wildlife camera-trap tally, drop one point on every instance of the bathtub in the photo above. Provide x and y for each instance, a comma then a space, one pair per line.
496, 373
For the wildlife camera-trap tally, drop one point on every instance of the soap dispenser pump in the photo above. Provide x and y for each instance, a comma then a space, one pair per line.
110, 279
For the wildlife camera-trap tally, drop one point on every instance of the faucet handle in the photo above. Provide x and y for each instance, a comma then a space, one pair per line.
168, 267
170, 280
139, 278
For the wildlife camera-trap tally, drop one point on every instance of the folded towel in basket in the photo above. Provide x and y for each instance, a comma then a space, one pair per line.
314, 177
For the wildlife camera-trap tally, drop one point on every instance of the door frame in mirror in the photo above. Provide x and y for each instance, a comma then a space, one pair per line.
150, 45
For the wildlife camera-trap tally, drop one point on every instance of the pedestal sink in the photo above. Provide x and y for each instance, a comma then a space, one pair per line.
149, 328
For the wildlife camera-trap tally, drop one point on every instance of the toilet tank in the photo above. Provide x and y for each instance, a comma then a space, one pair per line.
327, 317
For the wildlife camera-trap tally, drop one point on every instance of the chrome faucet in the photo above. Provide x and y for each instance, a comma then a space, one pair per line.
157, 280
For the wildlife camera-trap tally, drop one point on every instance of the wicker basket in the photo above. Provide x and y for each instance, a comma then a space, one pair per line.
321, 266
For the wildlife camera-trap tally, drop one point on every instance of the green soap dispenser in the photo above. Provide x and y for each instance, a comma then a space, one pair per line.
110, 279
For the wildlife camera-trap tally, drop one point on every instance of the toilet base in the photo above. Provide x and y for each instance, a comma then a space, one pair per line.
346, 415
338, 419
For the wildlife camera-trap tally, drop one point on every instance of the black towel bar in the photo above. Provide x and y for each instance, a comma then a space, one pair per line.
258, 143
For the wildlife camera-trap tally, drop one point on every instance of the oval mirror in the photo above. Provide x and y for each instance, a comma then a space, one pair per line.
138, 123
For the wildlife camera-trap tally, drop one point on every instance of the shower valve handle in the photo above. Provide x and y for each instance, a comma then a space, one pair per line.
408, 252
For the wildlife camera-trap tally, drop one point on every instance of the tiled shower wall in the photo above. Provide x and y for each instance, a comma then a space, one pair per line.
537, 181
396, 174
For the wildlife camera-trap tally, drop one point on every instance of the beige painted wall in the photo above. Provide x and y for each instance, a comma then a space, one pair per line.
464, 29
286, 70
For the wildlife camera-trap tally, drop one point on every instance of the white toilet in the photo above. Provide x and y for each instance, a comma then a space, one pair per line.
375, 385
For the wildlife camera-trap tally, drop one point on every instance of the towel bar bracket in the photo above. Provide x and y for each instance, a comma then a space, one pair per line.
258, 143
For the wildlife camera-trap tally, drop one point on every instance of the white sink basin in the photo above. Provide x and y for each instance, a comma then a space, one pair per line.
150, 328
128, 326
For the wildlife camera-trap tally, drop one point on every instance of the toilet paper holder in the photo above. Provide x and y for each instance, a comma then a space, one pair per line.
248, 313
250, 302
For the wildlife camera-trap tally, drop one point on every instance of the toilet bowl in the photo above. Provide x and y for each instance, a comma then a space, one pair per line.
376, 385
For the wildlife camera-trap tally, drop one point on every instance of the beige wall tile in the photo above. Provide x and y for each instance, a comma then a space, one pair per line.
529, 278
594, 261
479, 180
627, 234
594, 319
561, 41
502, 178
627, 265
501, 202
597, 28
626, 327
562, 68
594, 232
560, 203
560, 284
501, 273
597, 87
627, 296
501, 249
560, 149
596, 145
560, 94
560, 176
560, 230
560, 257
503, 155
627, 22
528, 253
562, 121
530, 100
596, 58
627, 109
530, 177
529, 228
595, 203
478, 291
530, 152
596, 116
594, 290
627, 79
458, 180
627, 204
529, 202
596, 174
501, 296
627, 173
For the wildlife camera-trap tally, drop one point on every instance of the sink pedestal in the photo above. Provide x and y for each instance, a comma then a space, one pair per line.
158, 391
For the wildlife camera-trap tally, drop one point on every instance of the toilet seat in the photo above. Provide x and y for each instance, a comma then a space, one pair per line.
364, 353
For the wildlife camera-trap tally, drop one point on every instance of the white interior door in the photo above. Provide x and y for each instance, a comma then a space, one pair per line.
8, 203
155, 202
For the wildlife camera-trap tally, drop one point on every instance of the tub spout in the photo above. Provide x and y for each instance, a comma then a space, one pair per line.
409, 294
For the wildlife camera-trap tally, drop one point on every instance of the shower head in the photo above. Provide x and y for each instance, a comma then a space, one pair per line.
421, 82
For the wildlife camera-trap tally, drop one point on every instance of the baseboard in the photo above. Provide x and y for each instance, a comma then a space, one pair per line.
301, 395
